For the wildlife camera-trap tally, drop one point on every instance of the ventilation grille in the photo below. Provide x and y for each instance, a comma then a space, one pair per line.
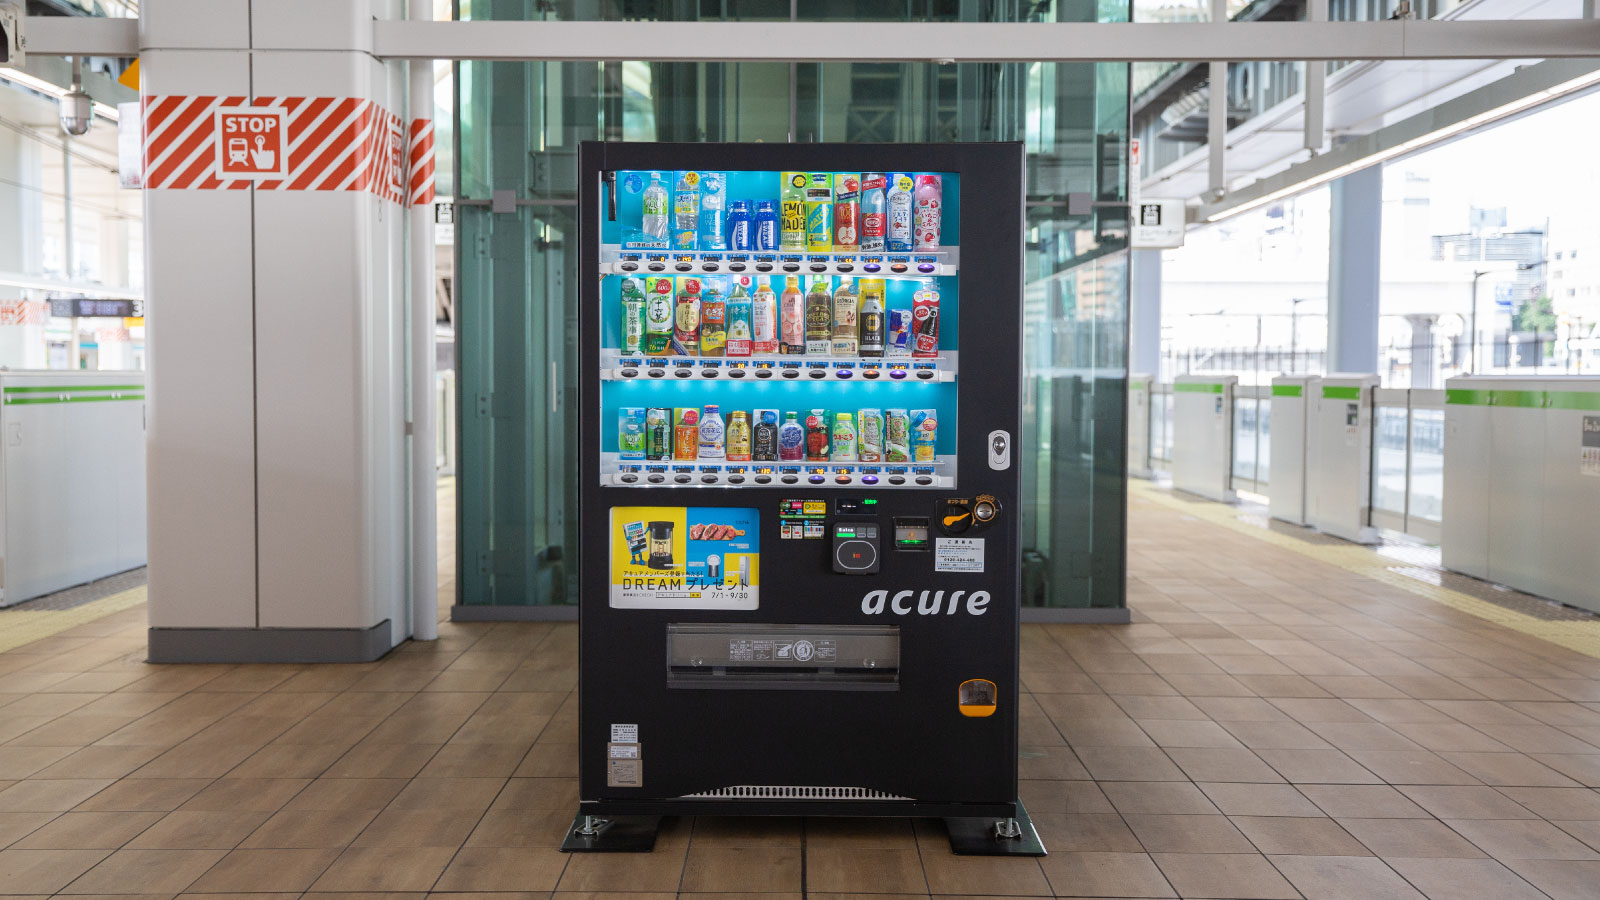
790, 792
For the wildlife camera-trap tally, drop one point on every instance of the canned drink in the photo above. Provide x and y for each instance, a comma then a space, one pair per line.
686, 433
817, 436
738, 437
925, 321
819, 213
870, 435
924, 434
846, 211
792, 212
899, 333
896, 436
630, 432
658, 433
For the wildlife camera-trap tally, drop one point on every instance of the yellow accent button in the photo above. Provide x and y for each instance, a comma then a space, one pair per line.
977, 698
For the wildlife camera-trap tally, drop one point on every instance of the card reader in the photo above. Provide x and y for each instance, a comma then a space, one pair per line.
855, 547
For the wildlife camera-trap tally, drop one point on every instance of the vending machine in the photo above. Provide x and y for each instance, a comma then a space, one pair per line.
800, 396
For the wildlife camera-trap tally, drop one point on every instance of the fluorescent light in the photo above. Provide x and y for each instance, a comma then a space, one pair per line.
1405, 147
35, 83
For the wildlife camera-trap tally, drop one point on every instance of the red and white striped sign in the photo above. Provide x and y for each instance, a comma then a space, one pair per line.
328, 144
21, 312
421, 162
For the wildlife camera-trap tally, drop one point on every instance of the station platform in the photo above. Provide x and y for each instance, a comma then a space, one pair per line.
1288, 716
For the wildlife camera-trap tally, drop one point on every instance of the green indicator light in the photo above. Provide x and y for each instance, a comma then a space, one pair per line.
870, 502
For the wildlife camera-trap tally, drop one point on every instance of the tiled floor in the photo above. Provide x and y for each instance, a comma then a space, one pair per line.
1270, 726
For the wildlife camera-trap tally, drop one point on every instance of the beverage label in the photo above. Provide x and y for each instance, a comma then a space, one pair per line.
870, 439
843, 448
924, 434
740, 227
630, 432
791, 441
899, 333
658, 315
632, 316
844, 322
846, 210
898, 233
819, 213
896, 436
686, 319
686, 211
819, 321
925, 322
713, 325
738, 326
792, 211
794, 320
713, 206
685, 433
817, 435
739, 438
766, 226
655, 210
712, 434
658, 433
764, 440
763, 322
929, 202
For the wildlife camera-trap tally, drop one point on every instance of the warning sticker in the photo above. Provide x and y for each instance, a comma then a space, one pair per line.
625, 773
625, 734
958, 555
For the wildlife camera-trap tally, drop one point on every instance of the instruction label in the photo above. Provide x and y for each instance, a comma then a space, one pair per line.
958, 555
625, 773
625, 734
1590, 464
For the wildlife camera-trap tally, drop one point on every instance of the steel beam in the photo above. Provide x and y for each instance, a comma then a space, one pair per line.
914, 42
1316, 81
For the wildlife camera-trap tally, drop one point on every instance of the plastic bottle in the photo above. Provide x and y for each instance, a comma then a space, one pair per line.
632, 317
897, 234
871, 325
792, 199
929, 208
686, 211
844, 320
793, 306
713, 321
819, 319
765, 442
766, 226
713, 203
654, 225
686, 319
740, 229
739, 320
844, 438
874, 207
658, 316
712, 434
763, 320
791, 439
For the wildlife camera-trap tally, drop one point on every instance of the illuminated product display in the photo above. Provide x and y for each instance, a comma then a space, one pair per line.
793, 492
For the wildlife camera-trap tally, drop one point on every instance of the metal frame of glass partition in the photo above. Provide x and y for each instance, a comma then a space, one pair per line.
517, 130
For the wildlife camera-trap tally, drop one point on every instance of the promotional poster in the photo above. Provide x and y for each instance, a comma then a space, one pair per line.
675, 557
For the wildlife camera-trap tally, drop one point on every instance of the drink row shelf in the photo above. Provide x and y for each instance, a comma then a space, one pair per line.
615, 260
614, 366
618, 472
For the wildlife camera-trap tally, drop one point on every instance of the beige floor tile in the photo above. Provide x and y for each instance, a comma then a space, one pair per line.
1168, 733
265, 870
1469, 801
1158, 798
1508, 769
254, 794
1583, 768
1240, 799
1317, 767
1244, 876
385, 869
288, 761
1411, 767
549, 761
97, 761
14, 826
861, 871
1106, 832
1105, 875
347, 793
199, 830
1065, 796
1204, 764
1362, 801
1187, 834
88, 831
1240, 709
1277, 735
661, 870
504, 869
49, 795
989, 875
745, 831
1051, 763
143, 794
1555, 802
754, 869
145, 872
520, 828
1464, 879
309, 829
19, 761
1506, 839
44, 871
1129, 764
864, 833
1299, 836
1561, 879
375, 760
466, 760
449, 793
1330, 877
419, 828
1410, 838
538, 793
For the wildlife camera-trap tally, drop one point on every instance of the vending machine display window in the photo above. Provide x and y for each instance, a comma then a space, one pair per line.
800, 385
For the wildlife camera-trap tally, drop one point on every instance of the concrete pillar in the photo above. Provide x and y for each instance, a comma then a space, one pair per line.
1144, 312
1424, 354
21, 214
276, 316
1355, 241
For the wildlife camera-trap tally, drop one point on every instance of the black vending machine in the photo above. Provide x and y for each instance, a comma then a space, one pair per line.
800, 396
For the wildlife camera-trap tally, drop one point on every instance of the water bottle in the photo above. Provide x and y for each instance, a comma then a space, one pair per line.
739, 226
655, 209
766, 226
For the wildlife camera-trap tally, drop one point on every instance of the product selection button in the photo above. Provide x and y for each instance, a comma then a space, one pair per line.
708, 479
629, 478
869, 479
629, 267
791, 267
763, 267
925, 267
655, 478
897, 479
924, 479
898, 268
790, 479
763, 479
683, 372
710, 266
736, 479
897, 373
763, 373
683, 267
817, 479
682, 479
630, 373
657, 267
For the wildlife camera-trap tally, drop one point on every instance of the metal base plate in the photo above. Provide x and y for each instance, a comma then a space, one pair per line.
980, 836
613, 834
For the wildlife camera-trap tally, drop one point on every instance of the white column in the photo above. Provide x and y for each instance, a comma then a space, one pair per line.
1355, 242
312, 310
1144, 313
21, 214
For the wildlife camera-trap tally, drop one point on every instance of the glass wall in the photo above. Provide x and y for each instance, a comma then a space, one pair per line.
518, 129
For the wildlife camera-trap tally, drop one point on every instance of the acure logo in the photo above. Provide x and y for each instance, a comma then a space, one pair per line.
928, 603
